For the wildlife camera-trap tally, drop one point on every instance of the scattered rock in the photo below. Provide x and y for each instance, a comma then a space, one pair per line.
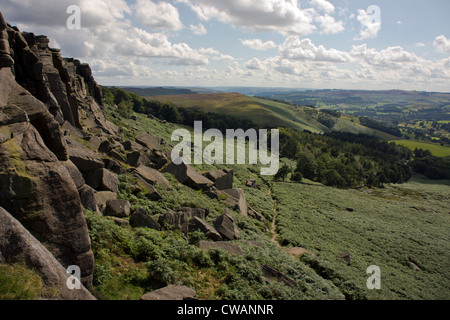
223, 179
177, 220
345, 257
251, 183
194, 212
132, 146
151, 143
236, 199
117, 208
227, 227
188, 176
141, 218
152, 176
255, 215
102, 180
120, 222
137, 159
199, 224
171, 293
104, 196
86, 160
270, 272
297, 251
227, 246
88, 200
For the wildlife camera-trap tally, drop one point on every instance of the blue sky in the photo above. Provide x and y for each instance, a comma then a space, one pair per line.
342, 44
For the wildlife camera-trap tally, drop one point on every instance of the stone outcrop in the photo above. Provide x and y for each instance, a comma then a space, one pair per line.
188, 176
226, 226
117, 208
236, 199
223, 179
152, 177
102, 180
141, 218
17, 245
197, 223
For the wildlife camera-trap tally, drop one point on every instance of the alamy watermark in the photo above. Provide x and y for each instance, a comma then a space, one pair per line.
374, 281
234, 150
73, 282
74, 20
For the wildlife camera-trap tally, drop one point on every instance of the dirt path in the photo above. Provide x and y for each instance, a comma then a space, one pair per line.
273, 229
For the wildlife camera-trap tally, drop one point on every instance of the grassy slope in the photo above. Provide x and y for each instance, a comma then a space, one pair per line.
389, 227
435, 149
264, 113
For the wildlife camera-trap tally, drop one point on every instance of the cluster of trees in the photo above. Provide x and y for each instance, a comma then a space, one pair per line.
370, 123
127, 102
345, 160
430, 166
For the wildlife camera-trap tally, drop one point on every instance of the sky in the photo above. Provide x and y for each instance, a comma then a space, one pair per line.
317, 44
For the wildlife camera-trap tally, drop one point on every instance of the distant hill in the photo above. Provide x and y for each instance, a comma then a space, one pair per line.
158, 91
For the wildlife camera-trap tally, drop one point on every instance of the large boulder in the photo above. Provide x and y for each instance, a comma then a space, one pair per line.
76, 175
194, 212
18, 245
236, 199
188, 176
226, 226
171, 292
88, 200
199, 224
176, 220
102, 197
102, 180
132, 146
85, 159
117, 208
152, 176
149, 142
223, 179
141, 218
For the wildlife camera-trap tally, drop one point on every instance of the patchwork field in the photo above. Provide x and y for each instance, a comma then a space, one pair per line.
435, 149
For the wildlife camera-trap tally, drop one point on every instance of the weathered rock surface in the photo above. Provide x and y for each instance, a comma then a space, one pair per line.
223, 179
102, 180
17, 245
141, 218
117, 208
152, 176
88, 200
171, 293
270, 272
197, 223
86, 160
176, 220
236, 199
76, 175
194, 212
226, 226
188, 176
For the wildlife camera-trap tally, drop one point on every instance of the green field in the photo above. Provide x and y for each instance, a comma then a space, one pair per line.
435, 149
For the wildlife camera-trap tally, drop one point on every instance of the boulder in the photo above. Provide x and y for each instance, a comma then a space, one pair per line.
93, 142
176, 220
229, 247
114, 166
76, 175
152, 176
121, 222
18, 245
270, 272
137, 159
141, 218
236, 199
171, 292
132, 146
102, 180
149, 142
199, 224
103, 197
223, 179
88, 200
117, 208
226, 226
150, 192
251, 183
188, 176
85, 159
194, 212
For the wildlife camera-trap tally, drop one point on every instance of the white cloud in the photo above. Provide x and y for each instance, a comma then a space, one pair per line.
157, 15
370, 23
420, 44
390, 57
295, 49
283, 16
254, 64
329, 25
258, 44
199, 29
442, 44
323, 5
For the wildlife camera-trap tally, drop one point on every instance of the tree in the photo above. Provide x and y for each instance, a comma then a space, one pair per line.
297, 177
283, 172
125, 108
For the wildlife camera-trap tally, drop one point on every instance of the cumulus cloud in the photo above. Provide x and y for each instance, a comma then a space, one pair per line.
370, 21
389, 57
258, 44
329, 25
157, 15
442, 44
284, 16
199, 29
295, 49
323, 5
254, 64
